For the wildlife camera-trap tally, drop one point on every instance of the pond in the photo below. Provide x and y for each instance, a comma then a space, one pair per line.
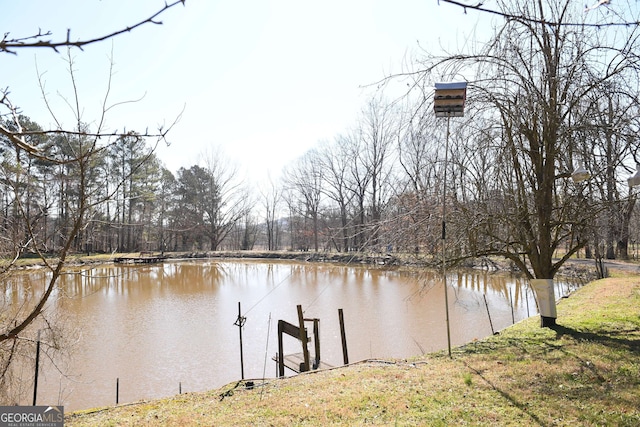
153, 331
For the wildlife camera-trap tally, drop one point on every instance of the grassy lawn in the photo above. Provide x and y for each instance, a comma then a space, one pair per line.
585, 372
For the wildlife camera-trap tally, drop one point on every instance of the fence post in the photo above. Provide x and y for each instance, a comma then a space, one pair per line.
345, 355
280, 365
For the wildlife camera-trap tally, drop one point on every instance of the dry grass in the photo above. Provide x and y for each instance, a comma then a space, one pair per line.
585, 372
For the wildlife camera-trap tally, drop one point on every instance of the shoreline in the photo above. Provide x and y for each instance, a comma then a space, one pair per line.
574, 267
582, 372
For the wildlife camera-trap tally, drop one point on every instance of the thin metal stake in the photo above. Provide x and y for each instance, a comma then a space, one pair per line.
266, 349
489, 314
240, 321
35, 379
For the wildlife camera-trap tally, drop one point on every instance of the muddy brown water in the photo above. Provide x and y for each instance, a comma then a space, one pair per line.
156, 330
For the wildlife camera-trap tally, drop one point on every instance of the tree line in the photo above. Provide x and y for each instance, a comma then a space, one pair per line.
375, 188
134, 202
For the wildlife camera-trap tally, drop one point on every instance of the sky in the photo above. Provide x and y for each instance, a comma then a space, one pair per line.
262, 81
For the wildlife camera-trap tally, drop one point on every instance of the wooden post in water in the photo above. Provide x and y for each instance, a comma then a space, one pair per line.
345, 355
240, 321
303, 338
316, 342
280, 349
35, 378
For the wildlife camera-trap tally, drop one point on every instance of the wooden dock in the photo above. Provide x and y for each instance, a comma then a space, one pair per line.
299, 362
142, 259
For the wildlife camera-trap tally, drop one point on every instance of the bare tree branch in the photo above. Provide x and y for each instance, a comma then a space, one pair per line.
36, 40
524, 18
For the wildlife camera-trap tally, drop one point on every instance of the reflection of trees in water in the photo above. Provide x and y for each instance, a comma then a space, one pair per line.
192, 275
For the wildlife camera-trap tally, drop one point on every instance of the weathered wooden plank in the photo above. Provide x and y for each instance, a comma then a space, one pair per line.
289, 329
303, 339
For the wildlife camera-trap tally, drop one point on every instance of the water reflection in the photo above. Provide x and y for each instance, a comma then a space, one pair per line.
157, 326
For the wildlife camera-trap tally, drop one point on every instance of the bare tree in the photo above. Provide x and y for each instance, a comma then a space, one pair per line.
538, 68
358, 181
228, 199
304, 181
379, 130
335, 160
611, 141
271, 198
417, 199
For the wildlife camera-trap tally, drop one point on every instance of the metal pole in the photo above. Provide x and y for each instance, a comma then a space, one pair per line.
444, 236
493, 332
35, 379
240, 321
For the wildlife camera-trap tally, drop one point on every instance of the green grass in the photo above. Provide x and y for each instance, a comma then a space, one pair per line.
584, 372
